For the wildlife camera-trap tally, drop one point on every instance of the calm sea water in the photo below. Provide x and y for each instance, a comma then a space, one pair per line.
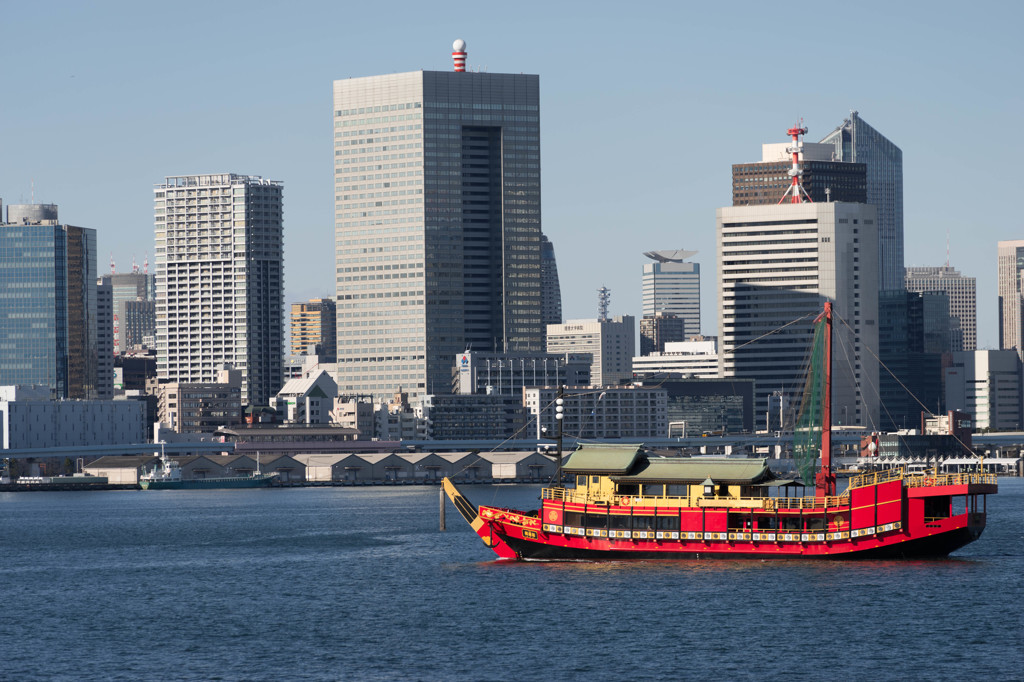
342, 583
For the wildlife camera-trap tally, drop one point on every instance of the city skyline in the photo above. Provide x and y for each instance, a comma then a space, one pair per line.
612, 188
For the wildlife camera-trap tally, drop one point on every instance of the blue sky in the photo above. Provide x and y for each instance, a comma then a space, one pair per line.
644, 108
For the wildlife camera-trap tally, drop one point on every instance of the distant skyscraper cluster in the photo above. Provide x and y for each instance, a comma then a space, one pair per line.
962, 301
314, 328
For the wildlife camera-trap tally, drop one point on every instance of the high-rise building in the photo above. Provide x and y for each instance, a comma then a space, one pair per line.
48, 327
132, 322
777, 265
1011, 296
611, 343
220, 281
910, 348
659, 329
437, 224
104, 340
824, 179
987, 384
551, 291
962, 300
672, 286
854, 141
314, 325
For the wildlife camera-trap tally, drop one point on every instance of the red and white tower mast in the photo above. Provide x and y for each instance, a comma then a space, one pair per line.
459, 55
796, 192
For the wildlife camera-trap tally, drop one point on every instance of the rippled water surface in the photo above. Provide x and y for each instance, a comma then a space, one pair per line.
343, 583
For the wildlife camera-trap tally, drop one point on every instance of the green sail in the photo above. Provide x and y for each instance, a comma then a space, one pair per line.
807, 430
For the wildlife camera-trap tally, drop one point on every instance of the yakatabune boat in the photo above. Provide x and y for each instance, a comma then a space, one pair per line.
628, 504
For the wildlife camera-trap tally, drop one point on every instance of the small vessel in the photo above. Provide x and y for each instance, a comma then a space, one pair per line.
629, 504
167, 476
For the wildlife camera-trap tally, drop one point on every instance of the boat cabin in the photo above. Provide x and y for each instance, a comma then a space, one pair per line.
624, 474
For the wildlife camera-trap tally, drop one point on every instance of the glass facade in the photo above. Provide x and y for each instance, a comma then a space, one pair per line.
857, 142
437, 224
48, 308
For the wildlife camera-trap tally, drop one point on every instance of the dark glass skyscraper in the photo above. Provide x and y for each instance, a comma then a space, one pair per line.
857, 142
48, 308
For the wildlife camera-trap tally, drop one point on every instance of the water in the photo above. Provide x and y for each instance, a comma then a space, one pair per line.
346, 583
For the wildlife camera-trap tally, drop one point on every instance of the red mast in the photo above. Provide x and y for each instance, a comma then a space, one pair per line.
796, 191
825, 481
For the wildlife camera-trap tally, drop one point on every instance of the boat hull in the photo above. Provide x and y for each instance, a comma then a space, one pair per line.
227, 482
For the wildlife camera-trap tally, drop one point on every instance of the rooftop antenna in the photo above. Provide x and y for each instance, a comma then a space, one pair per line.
459, 55
112, 271
604, 295
135, 266
947, 247
145, 264
796, 191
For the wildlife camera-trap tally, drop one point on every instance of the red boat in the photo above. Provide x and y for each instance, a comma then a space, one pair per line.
629, 504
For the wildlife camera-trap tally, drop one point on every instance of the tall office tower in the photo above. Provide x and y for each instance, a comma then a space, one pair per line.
48, 327
437, 224
314, 324
611, 343
1011, 296
551, 291
132, 287
962, 300
824, 179
104, 340
778, 264
855, 141
910, 348
220, 281
672, 286
986, 384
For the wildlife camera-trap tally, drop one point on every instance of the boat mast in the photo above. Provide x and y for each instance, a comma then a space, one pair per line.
825, 481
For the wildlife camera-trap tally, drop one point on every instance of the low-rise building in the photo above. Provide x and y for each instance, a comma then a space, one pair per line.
472, 417
30, 419
307, 400
626, 412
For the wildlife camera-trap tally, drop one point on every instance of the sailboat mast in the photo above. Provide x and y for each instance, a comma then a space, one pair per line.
825, 481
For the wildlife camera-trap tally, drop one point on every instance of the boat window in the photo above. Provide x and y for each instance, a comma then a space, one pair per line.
595, 479
595, 521
766, 523
572, 519
668, 523
676, 490
739, 521
581, 481
643, 522
627, 489
618, 522
654, 489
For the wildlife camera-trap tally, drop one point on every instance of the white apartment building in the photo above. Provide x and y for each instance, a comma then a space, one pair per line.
778, 264
611, 343
220, 280
628, 412
963, 298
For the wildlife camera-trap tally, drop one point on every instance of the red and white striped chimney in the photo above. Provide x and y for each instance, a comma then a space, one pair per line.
459, 55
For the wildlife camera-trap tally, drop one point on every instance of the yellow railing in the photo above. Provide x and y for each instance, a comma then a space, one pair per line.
876, 477
928, 480
805, 502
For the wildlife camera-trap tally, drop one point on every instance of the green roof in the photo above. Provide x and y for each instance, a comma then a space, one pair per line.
697, 469
602, 459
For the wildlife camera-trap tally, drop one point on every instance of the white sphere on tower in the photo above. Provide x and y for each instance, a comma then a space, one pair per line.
459, 45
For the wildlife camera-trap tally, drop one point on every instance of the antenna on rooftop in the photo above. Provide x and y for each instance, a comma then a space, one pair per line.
796, 191
135, 266
112, 271
604, 295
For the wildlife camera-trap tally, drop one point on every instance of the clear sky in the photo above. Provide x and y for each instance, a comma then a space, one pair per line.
644, 108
